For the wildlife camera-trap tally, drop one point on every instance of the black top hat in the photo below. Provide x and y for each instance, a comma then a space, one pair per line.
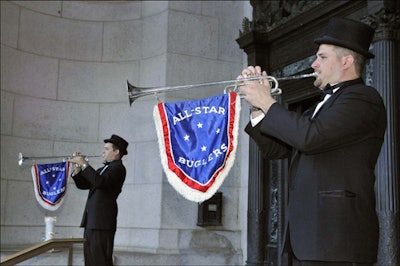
350, 34
119, 142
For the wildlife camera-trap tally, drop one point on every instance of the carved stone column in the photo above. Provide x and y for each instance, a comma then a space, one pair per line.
257, 212
385, 78
254, 44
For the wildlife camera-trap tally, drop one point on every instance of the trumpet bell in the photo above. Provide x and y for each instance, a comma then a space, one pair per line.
20, 159
136, 92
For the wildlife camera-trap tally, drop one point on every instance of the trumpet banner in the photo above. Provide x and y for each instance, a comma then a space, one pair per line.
197, 142
50, 183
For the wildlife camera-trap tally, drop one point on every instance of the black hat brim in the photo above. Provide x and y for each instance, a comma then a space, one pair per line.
123, 151
341, 43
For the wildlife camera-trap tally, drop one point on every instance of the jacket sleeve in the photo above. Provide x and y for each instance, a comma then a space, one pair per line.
349, 117
114, 177
80, 182
271, 147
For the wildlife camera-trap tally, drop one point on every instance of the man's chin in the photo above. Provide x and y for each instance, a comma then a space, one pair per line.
318, 83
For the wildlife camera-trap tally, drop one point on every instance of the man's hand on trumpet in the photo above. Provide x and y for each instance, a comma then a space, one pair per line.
79, 160
257, 93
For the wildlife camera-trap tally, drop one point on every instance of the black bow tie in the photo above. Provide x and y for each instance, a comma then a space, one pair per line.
329, 88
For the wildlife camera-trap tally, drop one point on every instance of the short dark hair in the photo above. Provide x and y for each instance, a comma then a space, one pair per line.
115, 147
359, 59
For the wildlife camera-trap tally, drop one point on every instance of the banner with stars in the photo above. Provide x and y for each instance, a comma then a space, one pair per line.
197, 142
50, 183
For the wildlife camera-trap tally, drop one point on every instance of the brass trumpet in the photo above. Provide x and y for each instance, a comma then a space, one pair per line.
22, 159
135, 92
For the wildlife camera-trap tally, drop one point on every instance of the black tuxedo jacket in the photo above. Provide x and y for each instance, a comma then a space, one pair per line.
101, 207
331, 212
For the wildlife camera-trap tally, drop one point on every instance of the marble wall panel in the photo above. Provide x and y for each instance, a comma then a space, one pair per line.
155, 32
228, 33
14, 236
139, 206
150, 8
152, 72
7, 106
192, 35
194, 7
177, 212
135, 123
95, 82
3, 197
215, 240
55, 120
147, 164
47, 7
60, 38
169, 240
223, 9
28, 74
102, 10
122, 41
137, 239
21, 197
9, 23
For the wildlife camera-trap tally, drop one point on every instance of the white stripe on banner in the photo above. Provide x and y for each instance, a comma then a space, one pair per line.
197, 141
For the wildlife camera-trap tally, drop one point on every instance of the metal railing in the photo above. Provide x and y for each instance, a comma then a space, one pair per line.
42, 248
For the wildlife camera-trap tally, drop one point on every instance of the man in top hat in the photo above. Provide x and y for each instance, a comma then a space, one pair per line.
100, 213
333, 146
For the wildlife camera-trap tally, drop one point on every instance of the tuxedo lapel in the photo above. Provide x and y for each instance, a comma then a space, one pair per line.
313, 116
103, 169
100, 171
309, 112
328, 103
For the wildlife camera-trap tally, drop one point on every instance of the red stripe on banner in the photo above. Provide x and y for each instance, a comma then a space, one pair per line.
171, 163
232, 113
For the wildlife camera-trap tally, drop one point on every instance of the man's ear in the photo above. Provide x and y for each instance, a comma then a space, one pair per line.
348, 61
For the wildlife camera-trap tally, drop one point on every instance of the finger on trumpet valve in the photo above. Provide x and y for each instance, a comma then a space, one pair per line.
77, 153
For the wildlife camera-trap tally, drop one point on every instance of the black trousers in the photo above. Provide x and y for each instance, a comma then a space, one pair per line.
98, 247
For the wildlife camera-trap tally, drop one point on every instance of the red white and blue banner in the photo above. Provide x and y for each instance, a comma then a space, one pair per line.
50, 183
197, 142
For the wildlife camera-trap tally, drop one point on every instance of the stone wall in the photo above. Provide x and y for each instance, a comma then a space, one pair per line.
64, 67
